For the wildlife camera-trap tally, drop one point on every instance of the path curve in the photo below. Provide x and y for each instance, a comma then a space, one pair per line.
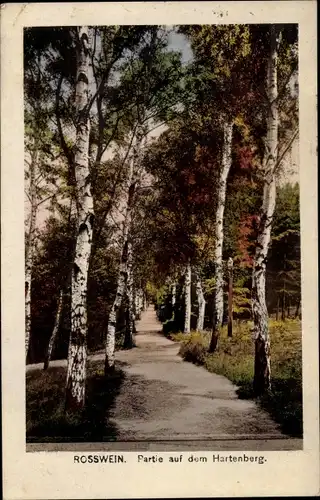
167, 403
164, 397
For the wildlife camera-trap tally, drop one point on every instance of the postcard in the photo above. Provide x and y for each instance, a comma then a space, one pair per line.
159, 211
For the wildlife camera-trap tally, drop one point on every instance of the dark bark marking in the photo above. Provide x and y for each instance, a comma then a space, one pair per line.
83, 78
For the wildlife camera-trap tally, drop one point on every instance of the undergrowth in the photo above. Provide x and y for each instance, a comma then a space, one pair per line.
45, 406
234, 358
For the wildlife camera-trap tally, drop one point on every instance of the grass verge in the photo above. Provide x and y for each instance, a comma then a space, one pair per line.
234, 359
45, 398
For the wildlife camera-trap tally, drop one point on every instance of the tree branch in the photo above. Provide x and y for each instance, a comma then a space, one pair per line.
286, 148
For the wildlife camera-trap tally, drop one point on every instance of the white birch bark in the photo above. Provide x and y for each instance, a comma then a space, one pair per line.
139, 303
173, 300
201, 304
230, 296
134, 173
136, 303
54, 332
112, 323
122, 279
77, 354
221, 200
262, 373
129, 340
30, 244
187, 298
141, 300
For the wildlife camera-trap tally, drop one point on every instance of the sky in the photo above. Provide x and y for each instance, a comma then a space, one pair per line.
180, 42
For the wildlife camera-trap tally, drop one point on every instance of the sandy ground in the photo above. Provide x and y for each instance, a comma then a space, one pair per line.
165, 403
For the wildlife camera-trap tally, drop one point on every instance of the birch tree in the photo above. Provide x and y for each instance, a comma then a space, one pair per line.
201, 303
218, 233
221, 197
280, 117
187, 298
64, 284
30, 241
220, 76
130, 323
150, 77
77, 353
54, 331
41, 173
173, 299
262, 372
230, 296
123, 273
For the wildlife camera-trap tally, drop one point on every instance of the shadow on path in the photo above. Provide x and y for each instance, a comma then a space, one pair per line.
283, 403
46, 420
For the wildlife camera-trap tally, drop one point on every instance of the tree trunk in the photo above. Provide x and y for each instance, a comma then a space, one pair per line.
284, 290
278, 305
262, 374
136, 303
77, 354
296, 314
173, 300
54, 332
129, 340
187, 298
230, 296
139, 303
121, 285
30, 244
122, 279
283, 305
221, 200
201, 304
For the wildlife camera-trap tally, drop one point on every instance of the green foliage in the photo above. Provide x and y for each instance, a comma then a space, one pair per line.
241, 300
209, 286
287, 211
284, 270
52, 272
181, 337
161, 295
195, 348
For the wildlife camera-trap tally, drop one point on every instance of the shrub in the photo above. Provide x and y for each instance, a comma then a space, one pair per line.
195, 348
180, 337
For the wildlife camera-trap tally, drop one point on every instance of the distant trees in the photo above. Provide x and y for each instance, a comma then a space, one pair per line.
152, 76
221, 79
126, 257
41, 169
284, 269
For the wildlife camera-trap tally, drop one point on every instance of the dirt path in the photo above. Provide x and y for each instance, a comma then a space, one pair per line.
164, 397
167, 403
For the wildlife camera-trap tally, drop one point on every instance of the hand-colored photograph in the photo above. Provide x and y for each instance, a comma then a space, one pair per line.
162, 237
